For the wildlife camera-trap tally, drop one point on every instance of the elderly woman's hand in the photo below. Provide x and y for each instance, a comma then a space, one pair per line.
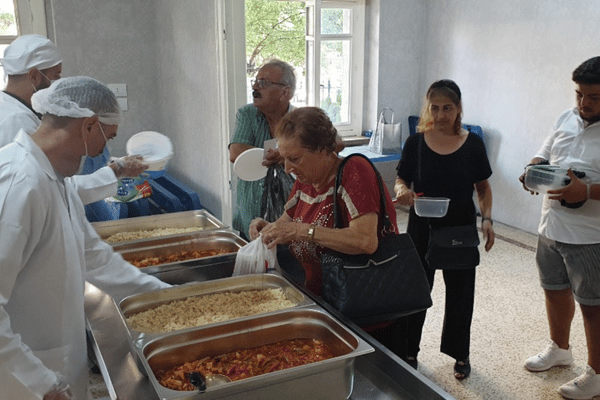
281, 232
256, 226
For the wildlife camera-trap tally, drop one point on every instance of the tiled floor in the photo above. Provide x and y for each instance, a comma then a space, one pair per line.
509, 325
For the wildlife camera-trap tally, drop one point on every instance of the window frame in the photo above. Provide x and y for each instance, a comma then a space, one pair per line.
314, 38
30, 17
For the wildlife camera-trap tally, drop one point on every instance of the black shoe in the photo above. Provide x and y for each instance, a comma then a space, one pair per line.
412, 361
462, 369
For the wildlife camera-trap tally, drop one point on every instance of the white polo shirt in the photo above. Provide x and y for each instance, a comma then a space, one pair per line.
573, 145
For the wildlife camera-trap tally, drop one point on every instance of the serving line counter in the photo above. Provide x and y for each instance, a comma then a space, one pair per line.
379, 375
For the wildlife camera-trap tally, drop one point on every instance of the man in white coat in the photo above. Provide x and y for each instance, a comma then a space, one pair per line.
31, 63
48, 250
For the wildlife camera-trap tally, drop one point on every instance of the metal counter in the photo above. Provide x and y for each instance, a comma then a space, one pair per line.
378, 376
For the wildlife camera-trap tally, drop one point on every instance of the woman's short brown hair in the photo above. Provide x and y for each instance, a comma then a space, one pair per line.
311, 126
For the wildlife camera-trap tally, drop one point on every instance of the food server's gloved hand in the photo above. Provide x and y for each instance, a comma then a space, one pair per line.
60, 391
128, 166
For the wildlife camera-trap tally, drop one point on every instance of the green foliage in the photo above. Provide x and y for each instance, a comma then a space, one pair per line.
274, 29
332, 21
7, 20
332, 109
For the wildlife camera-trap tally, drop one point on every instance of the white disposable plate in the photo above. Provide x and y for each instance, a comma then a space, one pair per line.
248, 166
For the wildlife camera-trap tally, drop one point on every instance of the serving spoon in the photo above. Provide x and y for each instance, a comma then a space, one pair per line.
201, 382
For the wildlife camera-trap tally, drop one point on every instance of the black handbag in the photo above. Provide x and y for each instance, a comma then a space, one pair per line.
453, 247
382, 286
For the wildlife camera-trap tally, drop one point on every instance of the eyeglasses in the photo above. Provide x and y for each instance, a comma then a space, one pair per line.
263, 83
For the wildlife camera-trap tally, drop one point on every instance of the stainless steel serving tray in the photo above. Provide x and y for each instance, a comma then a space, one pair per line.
141, 302
202, 240
184, 219
328, 379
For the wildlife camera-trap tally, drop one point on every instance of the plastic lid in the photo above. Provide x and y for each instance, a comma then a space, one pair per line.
153, 146
248, 165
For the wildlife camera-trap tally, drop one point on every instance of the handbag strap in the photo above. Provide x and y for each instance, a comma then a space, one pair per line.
387, 223
419, 156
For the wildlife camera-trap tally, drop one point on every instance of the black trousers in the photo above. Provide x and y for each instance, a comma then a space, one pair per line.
458, 313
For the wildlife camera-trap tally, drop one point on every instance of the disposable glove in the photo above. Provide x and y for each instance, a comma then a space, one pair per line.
128, 166
60, 391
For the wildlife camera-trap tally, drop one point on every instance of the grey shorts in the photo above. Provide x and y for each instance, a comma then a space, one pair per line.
576, 266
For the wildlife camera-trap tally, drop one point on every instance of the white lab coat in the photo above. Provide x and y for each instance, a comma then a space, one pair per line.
15, 115
47, 251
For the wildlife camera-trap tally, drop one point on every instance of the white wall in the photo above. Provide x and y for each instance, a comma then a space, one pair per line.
394, 59
188, 95
513, 61
114, 42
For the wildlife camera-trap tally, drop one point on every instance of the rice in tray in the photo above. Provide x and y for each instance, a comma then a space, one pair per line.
134, 235
206, 309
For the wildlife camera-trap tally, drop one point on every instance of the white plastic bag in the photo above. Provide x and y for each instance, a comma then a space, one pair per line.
255, 258
387, 138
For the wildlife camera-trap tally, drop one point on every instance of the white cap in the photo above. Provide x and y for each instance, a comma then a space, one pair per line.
27, 52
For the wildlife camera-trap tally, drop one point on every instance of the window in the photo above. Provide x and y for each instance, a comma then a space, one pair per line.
8, 29
18, 17
324, 40
334, 65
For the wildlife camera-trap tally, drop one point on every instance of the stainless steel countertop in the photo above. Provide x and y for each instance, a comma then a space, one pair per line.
378, 376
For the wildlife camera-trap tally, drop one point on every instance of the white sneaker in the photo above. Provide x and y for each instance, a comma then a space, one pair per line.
551, 357
583, 387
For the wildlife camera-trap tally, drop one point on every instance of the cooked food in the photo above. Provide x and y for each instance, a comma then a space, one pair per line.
143, 234
206, 309
247, 363
181, 256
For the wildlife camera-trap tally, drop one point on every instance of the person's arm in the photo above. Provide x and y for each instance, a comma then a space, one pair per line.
360, 237
109, 272
404, 195
95, 186
484, 196
258, 224
235, 149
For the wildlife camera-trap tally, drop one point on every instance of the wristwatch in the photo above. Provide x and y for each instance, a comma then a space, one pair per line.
311, 232
487, 218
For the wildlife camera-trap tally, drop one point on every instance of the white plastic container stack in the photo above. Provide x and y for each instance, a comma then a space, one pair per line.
154, 147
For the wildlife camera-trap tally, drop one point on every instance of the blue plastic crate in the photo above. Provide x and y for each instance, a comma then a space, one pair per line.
139, 208
164, 199
189, 199
105, 211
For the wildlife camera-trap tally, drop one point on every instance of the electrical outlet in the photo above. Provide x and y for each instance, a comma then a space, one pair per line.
123, 103
119, 89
